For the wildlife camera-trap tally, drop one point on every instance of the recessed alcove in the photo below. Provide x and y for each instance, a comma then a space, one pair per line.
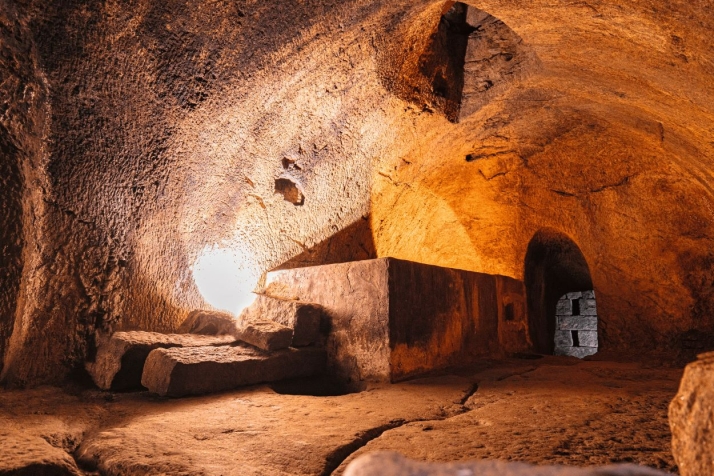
554, 267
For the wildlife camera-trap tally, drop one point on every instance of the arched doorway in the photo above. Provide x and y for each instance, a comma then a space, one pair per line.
556, 269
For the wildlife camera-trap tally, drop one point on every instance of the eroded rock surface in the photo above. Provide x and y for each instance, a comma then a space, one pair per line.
111, 125
555, 411
208, 323
548, 411
691, 418
120, 359
33, 456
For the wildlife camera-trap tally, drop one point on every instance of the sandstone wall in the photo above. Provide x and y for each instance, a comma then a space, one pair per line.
23, 120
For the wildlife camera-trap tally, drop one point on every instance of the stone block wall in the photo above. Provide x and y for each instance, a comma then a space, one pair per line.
392, 319
576, 324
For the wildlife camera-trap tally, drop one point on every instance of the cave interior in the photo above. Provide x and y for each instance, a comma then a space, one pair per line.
356, 237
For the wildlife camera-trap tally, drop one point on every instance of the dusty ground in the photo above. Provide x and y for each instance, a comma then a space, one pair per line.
551, 410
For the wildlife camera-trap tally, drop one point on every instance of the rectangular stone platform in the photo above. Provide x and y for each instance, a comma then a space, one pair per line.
120, 358
392, 319
192, 371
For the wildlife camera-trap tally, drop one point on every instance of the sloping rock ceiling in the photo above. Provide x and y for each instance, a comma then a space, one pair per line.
186, 136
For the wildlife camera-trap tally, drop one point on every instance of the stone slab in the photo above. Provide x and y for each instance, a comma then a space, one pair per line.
264, 334
577, 323
563, 339
208, 322
564, 307
588, 307
392, 464
120, 358
302, 317
587, 338
575, 295
178, 372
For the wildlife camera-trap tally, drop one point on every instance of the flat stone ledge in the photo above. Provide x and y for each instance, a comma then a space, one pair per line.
393, 464
120, 359
179, 372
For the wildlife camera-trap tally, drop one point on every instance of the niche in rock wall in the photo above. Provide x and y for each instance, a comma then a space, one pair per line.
469, 58
576, 324
554, 267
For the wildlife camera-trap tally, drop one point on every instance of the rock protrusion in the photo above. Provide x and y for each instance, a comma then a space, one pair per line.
691, 418
191, 371
302, 317
208, 322
120, 358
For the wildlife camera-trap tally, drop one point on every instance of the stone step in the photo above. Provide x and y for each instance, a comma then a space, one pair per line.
263, 333
179, 372
120, 358
302, 317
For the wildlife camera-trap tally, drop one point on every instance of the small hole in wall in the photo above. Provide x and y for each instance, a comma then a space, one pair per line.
471, 157
575, 303
290, 190
508, 312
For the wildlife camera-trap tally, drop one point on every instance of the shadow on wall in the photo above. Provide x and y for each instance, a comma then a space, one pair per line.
353, 243
554, 266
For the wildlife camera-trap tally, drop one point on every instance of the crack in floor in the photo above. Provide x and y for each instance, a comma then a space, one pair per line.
335, 459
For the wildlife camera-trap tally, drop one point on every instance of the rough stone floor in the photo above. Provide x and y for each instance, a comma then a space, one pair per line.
552, 410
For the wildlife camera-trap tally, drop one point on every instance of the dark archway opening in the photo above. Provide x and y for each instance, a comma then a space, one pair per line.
554, 266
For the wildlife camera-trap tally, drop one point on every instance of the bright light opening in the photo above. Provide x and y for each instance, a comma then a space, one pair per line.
225, 279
